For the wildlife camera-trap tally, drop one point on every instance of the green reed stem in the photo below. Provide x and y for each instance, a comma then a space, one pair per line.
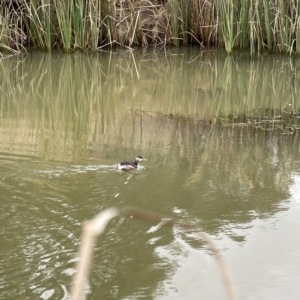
175, 24
64, 10
185, 7
108, 18
78, 25
268, 24
39, 24
226, 13
94, 13
244, 24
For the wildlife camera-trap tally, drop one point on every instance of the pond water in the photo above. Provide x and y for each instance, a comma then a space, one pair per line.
221, 138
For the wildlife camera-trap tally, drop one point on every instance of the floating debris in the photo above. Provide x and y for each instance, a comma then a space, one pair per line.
286, 123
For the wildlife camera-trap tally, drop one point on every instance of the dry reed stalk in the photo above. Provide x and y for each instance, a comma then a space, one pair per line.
96, 226
12, 36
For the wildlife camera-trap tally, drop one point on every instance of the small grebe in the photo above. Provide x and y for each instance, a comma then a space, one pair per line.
130, 165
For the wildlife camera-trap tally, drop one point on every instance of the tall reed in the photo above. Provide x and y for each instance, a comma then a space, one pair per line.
79, 24
39, 25
12, 36
65, 13
268, 25
226, 23
175, 22
94, 22
4, 34
259, 25
186, 7
109, 32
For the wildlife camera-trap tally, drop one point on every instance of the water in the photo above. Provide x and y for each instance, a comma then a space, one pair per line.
221, 137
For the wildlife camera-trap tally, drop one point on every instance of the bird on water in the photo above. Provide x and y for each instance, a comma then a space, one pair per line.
130, 165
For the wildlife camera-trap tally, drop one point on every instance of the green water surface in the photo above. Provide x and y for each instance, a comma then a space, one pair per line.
221, 137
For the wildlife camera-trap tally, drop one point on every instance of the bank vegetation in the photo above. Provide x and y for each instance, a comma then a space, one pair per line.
256, 25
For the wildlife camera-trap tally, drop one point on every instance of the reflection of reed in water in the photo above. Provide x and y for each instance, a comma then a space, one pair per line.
82, 107
244, 159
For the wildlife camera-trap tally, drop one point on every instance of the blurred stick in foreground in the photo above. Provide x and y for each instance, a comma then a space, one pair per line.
96, 226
